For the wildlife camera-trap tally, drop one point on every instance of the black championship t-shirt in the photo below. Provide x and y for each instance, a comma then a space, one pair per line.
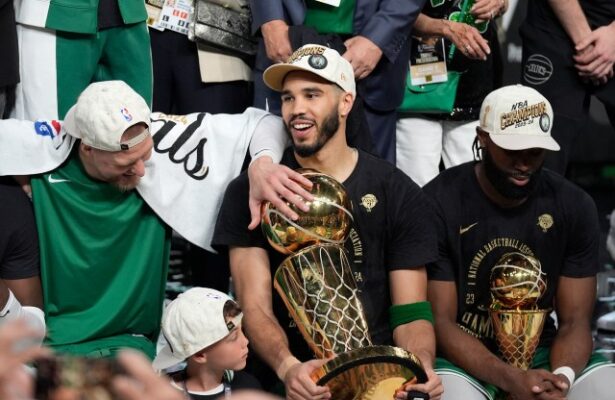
19, 253
393, 229
478, 77
558, 224
540, 15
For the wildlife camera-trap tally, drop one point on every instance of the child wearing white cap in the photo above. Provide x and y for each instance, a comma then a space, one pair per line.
203, 328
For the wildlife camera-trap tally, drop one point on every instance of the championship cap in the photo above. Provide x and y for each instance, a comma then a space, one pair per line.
517, 117
193, 321
103, 112
317, 59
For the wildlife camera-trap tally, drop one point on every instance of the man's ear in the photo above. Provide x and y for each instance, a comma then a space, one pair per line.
483, 137
346, 102
87, 149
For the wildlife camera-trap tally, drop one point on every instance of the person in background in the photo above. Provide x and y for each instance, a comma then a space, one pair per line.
20, 283
568, 56
425, 140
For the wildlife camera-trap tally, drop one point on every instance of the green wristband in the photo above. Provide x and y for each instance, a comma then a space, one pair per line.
400, 314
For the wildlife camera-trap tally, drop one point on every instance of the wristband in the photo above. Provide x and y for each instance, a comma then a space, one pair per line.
285, 366
11, 310
400, 314
567, 372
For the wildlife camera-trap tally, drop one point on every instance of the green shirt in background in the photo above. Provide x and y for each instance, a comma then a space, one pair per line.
328, 19
104, 261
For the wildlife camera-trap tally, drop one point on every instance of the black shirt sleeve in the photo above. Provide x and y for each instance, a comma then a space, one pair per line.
234, 218
19, 252
443, 269
412, 238
581, 258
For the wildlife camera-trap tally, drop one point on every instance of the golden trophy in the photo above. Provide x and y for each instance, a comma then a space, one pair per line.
317, 285
517, 282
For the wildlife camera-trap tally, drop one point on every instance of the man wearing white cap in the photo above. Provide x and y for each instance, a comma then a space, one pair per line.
105, 247
391, 240
506, 203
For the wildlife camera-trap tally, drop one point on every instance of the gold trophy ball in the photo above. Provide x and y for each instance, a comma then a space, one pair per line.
517, 281
328, 220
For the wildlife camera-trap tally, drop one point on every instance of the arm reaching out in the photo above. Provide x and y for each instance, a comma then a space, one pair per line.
270, 181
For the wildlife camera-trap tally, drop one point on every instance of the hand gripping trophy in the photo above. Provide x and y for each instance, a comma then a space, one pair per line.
517, 282
317, 285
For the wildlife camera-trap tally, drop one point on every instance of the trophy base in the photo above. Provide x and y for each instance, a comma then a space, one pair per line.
369, 373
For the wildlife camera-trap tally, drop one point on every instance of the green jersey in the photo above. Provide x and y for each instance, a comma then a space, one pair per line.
104, 260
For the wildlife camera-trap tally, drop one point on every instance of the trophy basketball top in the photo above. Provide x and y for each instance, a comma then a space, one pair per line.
328, 220
517, 281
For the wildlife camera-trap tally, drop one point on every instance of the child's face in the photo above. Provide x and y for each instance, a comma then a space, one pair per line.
229, 353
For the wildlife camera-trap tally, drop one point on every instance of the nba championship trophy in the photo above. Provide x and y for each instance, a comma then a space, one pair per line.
517, 282
317, 285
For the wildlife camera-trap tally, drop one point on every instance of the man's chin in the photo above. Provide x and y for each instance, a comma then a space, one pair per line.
126, 185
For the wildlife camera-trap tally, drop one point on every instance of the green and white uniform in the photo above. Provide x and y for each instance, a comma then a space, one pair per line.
62, 50
104, 261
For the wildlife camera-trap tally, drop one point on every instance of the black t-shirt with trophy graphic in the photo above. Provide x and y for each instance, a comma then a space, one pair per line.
393, 229
557, 224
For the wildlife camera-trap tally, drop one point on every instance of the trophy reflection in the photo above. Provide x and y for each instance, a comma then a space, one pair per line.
318, 288
517, 283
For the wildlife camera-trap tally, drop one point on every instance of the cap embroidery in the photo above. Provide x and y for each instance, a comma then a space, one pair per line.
126, 114
521, 112
318, 61
545, 122
306, 51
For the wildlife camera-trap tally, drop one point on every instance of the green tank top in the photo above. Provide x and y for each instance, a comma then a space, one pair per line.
328, 19
104, 261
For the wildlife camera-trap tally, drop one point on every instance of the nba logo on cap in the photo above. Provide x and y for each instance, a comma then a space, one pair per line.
126, 114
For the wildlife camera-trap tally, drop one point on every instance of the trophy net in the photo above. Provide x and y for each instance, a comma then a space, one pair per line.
319, 290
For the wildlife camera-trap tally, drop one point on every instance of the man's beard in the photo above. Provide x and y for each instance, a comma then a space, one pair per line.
500, 180
329, 126
125, 185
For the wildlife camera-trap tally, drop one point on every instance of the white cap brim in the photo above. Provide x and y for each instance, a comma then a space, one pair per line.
166, 359
524, 142
274, 76
69, 123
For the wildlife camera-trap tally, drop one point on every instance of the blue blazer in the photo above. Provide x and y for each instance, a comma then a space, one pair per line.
387, 23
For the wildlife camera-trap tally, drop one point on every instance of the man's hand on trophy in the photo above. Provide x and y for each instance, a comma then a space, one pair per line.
538, 384
299, 384
430, 390
274, 182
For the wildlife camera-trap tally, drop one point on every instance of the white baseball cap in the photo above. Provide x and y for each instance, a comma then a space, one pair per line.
317, 59
192, 322
103, 112
517, 117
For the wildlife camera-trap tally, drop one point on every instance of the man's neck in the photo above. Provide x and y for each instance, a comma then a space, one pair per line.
336, 158
491, 192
